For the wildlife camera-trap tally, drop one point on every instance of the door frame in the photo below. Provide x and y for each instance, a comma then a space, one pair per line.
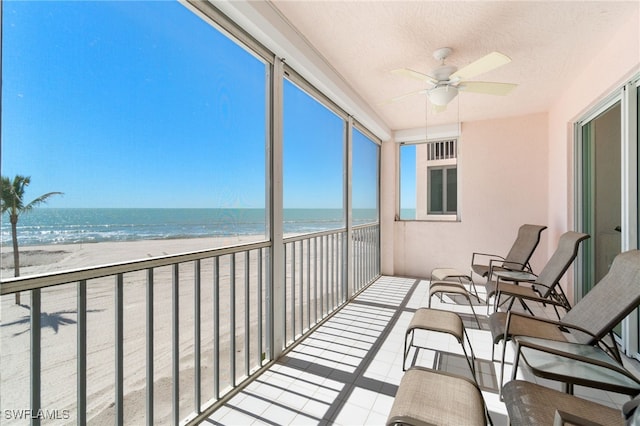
627, 95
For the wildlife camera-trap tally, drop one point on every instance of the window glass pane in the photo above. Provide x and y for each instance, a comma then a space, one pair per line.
452, 190
313, 164
150, 120
435, 190
408, 182
364, 185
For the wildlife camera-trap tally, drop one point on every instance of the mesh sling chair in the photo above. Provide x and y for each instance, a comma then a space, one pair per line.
429, 397
516, 260
532, 404
548, 279
590, 321
546, 287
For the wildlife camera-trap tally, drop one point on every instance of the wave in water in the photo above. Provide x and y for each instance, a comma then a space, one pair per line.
68, 226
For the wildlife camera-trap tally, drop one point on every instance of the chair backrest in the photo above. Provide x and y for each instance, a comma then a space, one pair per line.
615, 296
561, 259
523, 247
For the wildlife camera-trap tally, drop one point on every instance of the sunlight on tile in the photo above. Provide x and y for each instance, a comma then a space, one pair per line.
347, 371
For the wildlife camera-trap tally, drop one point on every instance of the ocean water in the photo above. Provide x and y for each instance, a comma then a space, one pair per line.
46, 226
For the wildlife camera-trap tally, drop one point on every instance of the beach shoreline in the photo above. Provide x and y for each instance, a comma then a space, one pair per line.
59, 319
42, 259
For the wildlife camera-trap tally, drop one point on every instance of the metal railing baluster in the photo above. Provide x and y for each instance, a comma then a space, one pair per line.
35, 354
82, 354
308, 283
292, 259
119, 348
216, 328
334, 268
301, 289
247, 312
321, 265
149, 336
327, 275
232, 319
196, 336
337, 261
259, 310
315, 280
175, 342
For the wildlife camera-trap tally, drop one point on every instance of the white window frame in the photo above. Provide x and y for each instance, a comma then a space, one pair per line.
443, 165
424, 136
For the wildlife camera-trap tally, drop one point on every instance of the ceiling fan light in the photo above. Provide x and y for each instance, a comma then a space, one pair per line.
442, 95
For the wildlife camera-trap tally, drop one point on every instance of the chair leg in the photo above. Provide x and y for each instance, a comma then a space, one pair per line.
516, 362
406, 348
504, 353
472, 363
475, 290
474, 312
493, 352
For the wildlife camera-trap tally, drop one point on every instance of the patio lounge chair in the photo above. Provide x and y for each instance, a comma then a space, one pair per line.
430, 397
532, 404
589, 321
546, 286
517, 258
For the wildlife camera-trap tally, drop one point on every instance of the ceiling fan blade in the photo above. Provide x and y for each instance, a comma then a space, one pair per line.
487, 88
487, 63
406, 72
407, 95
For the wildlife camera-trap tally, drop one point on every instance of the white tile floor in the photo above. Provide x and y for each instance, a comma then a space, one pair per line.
347, 372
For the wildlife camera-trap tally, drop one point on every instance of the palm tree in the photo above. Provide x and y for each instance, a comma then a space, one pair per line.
12, 201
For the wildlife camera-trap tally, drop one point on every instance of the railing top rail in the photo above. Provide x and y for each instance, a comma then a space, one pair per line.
31, 282
313, 235
365, 225
300, 237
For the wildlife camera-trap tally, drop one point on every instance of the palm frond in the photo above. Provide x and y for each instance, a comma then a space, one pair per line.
40, 200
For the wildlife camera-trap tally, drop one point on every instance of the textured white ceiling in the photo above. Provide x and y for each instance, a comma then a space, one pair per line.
548, 43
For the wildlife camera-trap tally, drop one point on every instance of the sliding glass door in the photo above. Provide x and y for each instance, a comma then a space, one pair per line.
601, 200
607, 185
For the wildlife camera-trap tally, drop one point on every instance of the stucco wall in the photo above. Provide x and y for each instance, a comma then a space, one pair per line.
503, 184
608, 71
513, 170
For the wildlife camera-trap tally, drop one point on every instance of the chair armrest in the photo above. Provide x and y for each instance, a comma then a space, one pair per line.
595, 340
550, 321
483, 255
522, 342
562, 418
493, 263
541, 299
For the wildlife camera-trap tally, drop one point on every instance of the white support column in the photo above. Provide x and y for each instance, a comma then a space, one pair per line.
348, 167
629, 197
276, 212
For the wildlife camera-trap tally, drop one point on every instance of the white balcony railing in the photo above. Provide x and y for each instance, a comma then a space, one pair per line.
221, 320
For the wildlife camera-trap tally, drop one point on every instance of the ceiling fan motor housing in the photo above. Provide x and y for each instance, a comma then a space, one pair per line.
444, 72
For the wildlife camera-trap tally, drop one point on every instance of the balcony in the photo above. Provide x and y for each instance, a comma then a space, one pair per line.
342, 362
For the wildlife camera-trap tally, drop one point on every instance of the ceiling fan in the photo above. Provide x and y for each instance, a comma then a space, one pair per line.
448, 80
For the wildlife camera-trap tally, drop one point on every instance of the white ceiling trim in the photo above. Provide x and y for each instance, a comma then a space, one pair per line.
269, 27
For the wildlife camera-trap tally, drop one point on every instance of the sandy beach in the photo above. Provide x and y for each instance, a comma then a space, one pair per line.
59, 330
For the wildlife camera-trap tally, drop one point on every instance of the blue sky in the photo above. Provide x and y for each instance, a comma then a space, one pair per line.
408, 177
142, 104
